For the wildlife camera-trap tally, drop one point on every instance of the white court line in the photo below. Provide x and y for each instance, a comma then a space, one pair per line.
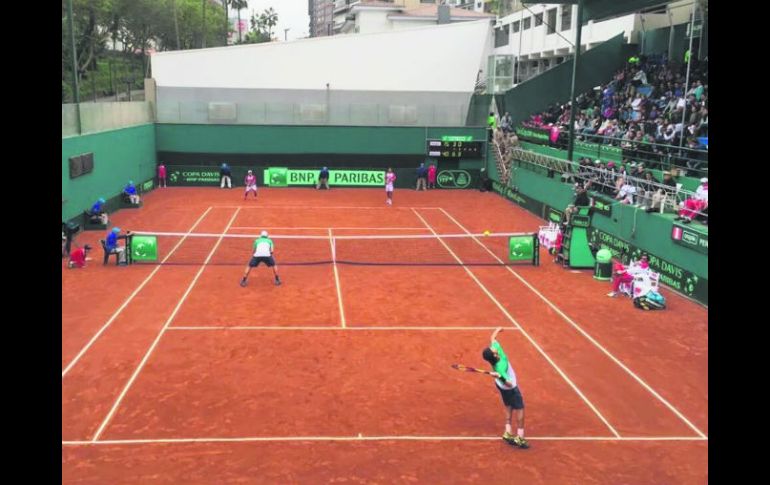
315, 207
321, 328
160, 334
584, 333
337, 279
531, 340
278, 439
339, 228
130, 297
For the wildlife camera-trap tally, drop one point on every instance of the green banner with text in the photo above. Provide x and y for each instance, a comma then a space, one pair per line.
671, 275
690, 238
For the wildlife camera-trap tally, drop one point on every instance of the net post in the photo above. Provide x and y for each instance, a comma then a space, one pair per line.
535, 250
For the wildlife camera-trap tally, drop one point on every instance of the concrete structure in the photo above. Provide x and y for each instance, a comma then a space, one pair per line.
387, 78
542, 36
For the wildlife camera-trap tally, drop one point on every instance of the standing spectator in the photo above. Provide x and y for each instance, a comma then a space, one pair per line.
422, 176
323, 178
432, 176
695, 204
663, 193
506, 123
251, 184
130, 193
491, 125
161, 175
225, 173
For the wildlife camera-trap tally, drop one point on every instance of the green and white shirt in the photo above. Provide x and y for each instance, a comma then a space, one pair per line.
503, 367
263, 247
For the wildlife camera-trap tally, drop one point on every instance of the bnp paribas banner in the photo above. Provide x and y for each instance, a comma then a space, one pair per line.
285, 177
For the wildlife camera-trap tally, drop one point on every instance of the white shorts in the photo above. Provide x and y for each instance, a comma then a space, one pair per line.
250, 188
388, 187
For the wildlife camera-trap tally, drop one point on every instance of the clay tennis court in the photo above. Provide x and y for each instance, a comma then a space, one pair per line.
174, 374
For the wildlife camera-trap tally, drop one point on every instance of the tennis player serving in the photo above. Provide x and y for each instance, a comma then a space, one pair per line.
263, 253
509, 390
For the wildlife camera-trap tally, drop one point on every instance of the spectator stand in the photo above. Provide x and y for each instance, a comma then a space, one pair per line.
575, 251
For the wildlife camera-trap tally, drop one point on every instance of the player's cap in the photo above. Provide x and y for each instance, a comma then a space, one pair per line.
249, 171
704, 180
87, 247
130, 182
101, 199
263, 233
326, 168
116, 230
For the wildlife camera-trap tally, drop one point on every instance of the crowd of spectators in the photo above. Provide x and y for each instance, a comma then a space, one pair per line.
646, 109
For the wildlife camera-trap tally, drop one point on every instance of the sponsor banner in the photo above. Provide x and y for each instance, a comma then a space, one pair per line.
528, 203
284, 177
534, 134
453, 179
578, 220
553, 215
193, 175
603, 205
147, 186
144, 248
457, 138
521, 248
690, 238
671, 275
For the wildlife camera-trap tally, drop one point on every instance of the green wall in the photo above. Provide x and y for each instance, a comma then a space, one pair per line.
553, 86
119, 156
267, 139
630, 226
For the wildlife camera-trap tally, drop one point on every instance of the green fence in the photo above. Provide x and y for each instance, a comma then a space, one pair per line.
119, 156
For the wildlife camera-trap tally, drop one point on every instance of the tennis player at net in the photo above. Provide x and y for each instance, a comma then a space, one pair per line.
263, 253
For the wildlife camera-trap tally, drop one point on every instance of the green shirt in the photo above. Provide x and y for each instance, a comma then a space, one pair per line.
263, 246
501, 367
491, 122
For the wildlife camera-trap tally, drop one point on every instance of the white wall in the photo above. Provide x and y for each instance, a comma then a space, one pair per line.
441, 58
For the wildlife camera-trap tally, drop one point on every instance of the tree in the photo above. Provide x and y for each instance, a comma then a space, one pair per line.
239, 5
269, 20
261, 27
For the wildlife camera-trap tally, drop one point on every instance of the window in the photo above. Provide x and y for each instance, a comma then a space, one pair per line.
538, 19
525, 23
515, 26
551, 21
566, 18
501, 36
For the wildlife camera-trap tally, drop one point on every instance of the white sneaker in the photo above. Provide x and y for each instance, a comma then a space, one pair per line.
611, 294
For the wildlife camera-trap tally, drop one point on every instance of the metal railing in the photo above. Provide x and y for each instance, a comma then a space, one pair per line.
603, 181
692, 162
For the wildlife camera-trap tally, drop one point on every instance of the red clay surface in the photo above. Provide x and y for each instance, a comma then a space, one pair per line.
280, 386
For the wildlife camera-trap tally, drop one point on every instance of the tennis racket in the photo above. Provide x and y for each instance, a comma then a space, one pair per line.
465, 368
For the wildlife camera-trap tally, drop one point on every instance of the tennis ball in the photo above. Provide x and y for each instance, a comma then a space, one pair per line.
487, 233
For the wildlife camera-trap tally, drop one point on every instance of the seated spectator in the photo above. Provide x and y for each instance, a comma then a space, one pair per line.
697, 203
645, 189
506, 123
666, 192
130, 193
97, 215
619, 275
78, 257
626, 191
112, 246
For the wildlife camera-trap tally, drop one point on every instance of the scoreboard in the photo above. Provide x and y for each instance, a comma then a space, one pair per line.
455, 148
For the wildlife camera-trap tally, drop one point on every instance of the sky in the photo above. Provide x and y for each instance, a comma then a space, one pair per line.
292, 14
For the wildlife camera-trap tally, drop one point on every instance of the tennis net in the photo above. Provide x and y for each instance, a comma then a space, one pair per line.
497, 249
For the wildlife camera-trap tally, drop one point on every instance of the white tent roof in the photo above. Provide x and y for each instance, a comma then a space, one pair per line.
442, 58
